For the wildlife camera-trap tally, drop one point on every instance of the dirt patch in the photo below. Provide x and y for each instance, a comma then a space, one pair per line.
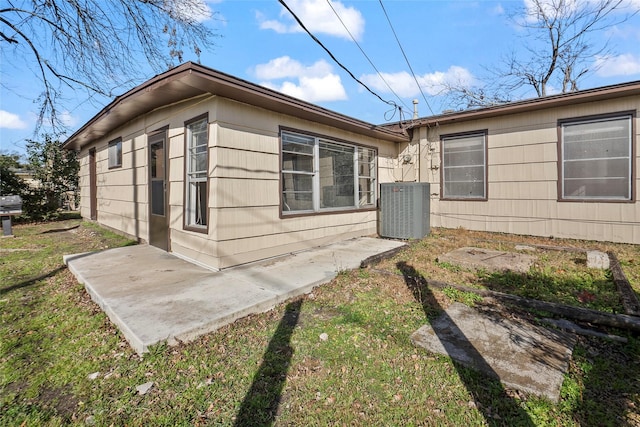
321, 314
60, 399
489, 260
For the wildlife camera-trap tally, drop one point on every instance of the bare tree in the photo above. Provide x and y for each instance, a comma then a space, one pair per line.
557, 50
558, 47
96, 45
459, 95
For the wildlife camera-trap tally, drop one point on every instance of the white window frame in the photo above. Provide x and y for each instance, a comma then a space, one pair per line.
192, 219
457, 137
115, 153
627, 160
360, 201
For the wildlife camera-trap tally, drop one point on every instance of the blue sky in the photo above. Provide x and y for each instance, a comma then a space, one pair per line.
445, 41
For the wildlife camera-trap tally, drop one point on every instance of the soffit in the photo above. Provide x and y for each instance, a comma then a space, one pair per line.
190, 80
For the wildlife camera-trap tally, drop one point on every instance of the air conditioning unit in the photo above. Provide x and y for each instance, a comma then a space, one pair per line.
404, 210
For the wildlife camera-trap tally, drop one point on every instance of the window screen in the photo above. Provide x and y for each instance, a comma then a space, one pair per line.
196, 173
464, 166
596, 159
115, 154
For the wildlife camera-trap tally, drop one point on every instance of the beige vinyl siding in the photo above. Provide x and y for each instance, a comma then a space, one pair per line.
295, 237
122, 193
118, 189
244, 184
245, 195
522, 165
83, 182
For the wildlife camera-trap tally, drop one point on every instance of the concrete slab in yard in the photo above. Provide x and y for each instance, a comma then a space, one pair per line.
479, 258
153, 296
523, 356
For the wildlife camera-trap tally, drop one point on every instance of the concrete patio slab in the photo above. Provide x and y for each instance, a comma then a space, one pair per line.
153, 296
522, 356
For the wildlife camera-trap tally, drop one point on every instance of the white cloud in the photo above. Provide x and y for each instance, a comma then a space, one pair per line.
271, 24
284, 66
313, 89
68, 119
497, 10
435, 83
621, 65
624, 32
318, 17
189, 10
313, 83
552, 7
11, 121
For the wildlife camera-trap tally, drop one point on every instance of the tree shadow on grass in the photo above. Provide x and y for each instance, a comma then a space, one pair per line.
31, 282
260, 405
604, 388
611, 383
60, 230
579, 291
491, 398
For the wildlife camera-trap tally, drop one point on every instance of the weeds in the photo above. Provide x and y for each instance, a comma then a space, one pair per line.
467, 298
339, 357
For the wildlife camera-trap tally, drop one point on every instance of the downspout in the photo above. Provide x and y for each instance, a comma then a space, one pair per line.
415, 117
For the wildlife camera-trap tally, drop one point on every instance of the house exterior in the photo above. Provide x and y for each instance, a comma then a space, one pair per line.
563, 165
223, 172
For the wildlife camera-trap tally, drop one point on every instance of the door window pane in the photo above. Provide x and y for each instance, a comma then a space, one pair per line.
157, 178
157, 160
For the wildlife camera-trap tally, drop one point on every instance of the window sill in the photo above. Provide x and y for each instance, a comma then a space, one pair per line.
196, 229
294, 214
464, 199
624, 201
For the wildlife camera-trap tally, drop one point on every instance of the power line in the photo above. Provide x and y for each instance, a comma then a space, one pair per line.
366, 56
405, 57
393, 104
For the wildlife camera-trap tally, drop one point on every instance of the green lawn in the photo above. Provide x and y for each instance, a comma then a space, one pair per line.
339, 356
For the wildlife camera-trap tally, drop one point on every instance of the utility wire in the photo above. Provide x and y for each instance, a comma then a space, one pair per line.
393, 104
365, 55
405, 57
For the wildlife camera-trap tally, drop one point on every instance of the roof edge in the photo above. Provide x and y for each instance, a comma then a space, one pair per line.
531, 104
328, 117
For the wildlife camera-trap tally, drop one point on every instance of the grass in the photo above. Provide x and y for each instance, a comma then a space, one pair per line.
339, 356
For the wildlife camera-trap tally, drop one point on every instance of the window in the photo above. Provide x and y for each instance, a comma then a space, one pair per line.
196, 207
596, 159
464, 166
322, 175
115, 153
